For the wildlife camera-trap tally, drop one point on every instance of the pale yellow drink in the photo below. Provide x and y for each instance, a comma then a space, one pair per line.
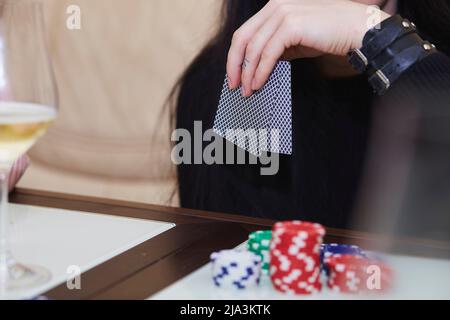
21, 124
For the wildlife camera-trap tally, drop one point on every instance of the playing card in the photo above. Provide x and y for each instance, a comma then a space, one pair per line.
262, 122
281, 119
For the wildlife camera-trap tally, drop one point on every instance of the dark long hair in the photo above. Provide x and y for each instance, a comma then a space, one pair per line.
431, 17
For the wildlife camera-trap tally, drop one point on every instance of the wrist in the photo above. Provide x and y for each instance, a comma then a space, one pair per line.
372, 18
389, 51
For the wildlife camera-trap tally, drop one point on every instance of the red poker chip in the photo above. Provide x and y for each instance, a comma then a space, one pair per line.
296, 226
353, 274
347, 273
296, 260
287, 240
295, 257
300, 256
349, 262
304, 275
347, 282
300, 287
293, 251
290, 231
284, 241
286, 279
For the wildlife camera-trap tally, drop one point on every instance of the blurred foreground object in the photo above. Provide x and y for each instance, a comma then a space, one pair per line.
28, 107
407, 190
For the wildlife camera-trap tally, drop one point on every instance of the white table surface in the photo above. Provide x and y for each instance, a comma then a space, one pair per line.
58, 239
416, 278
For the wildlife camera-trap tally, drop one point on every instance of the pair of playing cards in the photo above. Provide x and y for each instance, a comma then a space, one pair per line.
262, 122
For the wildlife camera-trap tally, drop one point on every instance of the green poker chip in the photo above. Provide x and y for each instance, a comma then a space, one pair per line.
260, 235
259, 243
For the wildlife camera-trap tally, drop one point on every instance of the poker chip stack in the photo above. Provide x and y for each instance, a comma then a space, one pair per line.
232, 269
295, 266
352, 274
259, 243
329, 250
347, 273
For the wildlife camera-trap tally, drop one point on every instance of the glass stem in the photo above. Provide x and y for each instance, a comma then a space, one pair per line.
4, 221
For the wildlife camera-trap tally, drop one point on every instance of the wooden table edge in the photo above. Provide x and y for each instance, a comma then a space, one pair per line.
116, 278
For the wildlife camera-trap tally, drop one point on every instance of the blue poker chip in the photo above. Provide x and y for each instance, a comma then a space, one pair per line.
329, 250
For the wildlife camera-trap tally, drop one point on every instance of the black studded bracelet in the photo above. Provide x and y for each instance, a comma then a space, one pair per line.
388, 51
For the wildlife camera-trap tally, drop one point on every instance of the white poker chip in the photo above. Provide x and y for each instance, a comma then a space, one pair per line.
232, 269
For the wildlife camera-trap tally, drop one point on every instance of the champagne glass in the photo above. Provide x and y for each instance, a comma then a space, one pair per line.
28, 105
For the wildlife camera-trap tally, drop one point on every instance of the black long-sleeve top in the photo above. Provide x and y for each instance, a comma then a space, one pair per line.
332, 126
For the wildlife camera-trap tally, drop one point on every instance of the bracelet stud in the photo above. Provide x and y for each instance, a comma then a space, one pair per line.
385, 80
428, 46
362, 57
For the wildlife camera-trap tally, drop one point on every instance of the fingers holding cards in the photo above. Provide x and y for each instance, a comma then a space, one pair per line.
252, 45
268, 113
254, 51
240, 41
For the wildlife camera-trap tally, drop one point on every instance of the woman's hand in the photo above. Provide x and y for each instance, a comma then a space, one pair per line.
17, 171
291, 29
